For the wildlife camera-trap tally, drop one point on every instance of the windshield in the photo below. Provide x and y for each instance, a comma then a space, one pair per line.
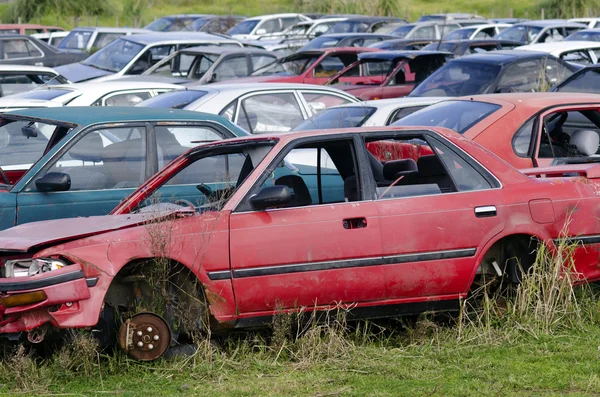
458, 78
292, 67
321, 42
44, 94
460, 34
522, 33
587, 81
437, 46
22, 143
173, 100
195, 25
459, 116
115, 56
349, 27
76, 40
402, 31
584, 36
344, 117
244, 27
209, 180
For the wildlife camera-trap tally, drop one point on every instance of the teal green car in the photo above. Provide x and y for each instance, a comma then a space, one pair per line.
81, 161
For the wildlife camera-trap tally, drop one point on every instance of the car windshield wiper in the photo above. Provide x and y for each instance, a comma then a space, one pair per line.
100, 68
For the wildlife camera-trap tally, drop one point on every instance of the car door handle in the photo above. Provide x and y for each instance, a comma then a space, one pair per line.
355, 223
485, 211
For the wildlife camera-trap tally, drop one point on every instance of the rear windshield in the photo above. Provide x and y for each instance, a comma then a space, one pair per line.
455, 115
173, 100
47, 95
345, 117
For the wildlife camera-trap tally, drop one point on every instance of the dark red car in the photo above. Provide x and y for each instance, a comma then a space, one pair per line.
300, 221
388, 74
308, 67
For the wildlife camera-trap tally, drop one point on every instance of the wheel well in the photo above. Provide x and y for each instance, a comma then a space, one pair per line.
510, 256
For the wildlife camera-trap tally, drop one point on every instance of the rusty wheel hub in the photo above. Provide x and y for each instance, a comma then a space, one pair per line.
145, 337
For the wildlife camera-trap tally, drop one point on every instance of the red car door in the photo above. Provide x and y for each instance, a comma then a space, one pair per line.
434, 218
321, 249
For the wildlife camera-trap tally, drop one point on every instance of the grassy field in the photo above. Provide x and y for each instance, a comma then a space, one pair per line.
412, 10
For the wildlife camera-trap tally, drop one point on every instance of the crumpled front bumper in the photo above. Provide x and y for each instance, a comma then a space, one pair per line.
62, 290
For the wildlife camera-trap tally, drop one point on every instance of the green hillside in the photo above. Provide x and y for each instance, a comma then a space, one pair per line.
141, 12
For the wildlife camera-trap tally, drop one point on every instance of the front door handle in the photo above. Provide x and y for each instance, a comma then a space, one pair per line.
355, 223
485, 211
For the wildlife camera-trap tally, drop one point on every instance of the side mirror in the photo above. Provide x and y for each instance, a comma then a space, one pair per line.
317, 34
270, 197
212, 78
54, 182
261, 31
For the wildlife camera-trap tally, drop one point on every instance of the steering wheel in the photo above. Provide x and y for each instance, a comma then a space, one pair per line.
4, 177
185, 203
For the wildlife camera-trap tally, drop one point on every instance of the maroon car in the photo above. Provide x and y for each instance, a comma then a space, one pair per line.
307, 67
388, 74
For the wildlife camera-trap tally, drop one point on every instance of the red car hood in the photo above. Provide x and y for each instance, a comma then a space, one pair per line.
35, 234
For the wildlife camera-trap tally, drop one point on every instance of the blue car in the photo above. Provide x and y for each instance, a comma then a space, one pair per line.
81, 161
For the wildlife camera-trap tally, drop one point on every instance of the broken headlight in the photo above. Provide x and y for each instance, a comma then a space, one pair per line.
31, 267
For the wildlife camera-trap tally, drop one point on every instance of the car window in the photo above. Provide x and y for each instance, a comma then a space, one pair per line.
447, 28
258, 61
232, 68
316, 174
522, 139
523, 76
581, 57
124, 99
174, 100
407, 167
403, 112
101, 160
19, 48
459, 116
173, 141
21, 151
458, 78
424, 32
331, 65
555, 72
15, 83
551, 35
570, 134
342, 117
289, 21
586, 81
76, 39
270, 25
319, 101
279, 112
103, 39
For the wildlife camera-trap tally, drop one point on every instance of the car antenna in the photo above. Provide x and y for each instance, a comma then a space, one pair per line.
440, 40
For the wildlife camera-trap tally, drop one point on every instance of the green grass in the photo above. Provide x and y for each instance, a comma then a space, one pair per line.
564, 364
411, 10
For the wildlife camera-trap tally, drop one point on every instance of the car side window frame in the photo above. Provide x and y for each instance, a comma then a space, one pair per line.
367, 192
125, 92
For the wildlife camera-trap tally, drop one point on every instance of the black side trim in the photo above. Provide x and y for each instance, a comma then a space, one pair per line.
364, 312
592, 239
220, 275
342, 264
21, 285
92, 281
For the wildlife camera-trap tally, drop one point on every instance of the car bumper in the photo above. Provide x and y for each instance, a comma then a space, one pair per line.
29, 302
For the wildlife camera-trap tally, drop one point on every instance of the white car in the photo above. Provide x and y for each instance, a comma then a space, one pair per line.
52, 38
580, 52
133, 55
367, 114
546, 31
114, 93
432, 30
21, 78
256, 107
486, 31
89, 39
591, 23
253, 28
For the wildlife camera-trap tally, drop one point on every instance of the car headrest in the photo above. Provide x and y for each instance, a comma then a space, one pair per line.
430, 166
89, 148
392, 168
586, 141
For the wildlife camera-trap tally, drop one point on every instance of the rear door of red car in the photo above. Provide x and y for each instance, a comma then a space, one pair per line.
436, 213
323, 248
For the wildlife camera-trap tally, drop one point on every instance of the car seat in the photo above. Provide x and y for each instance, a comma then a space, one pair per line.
125, 163
88, 149
586, 141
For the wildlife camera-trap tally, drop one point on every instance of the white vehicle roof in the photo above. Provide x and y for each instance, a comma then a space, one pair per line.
26, 68
271, 16
385, 107
50, 34
558, 47
79, 94
103, 29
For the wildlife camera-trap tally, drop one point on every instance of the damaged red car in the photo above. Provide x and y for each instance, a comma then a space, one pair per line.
249, 234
